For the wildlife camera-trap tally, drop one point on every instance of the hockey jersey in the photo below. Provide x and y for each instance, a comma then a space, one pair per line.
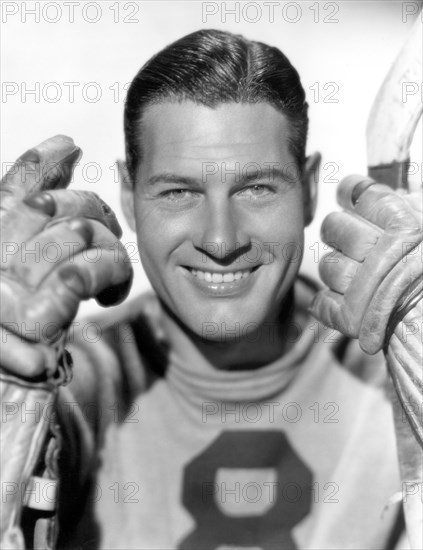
167, 455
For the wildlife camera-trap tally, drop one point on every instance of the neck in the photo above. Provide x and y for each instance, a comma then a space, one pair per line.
245, 352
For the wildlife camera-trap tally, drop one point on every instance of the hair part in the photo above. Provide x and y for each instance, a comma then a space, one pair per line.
211, 67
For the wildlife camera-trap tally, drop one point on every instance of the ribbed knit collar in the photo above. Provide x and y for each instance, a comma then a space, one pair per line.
200, 381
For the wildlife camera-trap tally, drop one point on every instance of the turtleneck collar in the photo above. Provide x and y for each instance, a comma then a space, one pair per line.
197, 380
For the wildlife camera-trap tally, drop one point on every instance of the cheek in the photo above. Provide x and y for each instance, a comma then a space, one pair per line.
150, 241
158, 234
284, 230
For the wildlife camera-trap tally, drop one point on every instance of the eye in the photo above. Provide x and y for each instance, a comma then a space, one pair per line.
256, 191
179, 197
175, 195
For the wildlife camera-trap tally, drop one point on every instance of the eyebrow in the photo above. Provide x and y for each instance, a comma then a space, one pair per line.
172, 178
268, 174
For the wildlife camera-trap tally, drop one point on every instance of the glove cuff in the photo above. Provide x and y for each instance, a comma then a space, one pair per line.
406, 302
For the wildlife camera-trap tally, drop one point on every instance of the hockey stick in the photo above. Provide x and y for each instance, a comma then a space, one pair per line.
395, 113
390, 129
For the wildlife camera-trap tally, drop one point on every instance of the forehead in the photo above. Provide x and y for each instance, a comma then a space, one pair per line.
186, 133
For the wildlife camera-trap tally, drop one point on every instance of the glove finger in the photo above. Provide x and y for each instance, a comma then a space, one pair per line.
387, 295
110, 280
350, 189
23, 358
41, 209
18, 225
36, 257
377, 203
74, 203
415, 201
337, 271
388, 210
48, 165
42, 315
58, 297
329, 308
353, 236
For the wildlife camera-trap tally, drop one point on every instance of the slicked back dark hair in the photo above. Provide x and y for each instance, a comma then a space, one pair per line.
211, 67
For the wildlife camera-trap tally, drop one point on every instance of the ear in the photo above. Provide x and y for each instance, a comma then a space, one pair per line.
126, 194
310, 180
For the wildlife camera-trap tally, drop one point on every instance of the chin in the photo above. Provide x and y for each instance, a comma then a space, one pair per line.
228, 326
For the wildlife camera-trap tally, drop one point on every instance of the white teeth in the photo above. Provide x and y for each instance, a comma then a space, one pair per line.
219, 277
228, 278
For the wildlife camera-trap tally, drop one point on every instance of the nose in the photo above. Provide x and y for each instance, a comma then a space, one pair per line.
221, 231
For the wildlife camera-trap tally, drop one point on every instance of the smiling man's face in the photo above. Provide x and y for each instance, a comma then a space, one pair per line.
219, 213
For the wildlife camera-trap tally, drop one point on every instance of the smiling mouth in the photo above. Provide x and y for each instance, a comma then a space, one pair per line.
222, 283
219, 277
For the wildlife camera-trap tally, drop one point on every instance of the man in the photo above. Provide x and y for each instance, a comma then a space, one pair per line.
221, 415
